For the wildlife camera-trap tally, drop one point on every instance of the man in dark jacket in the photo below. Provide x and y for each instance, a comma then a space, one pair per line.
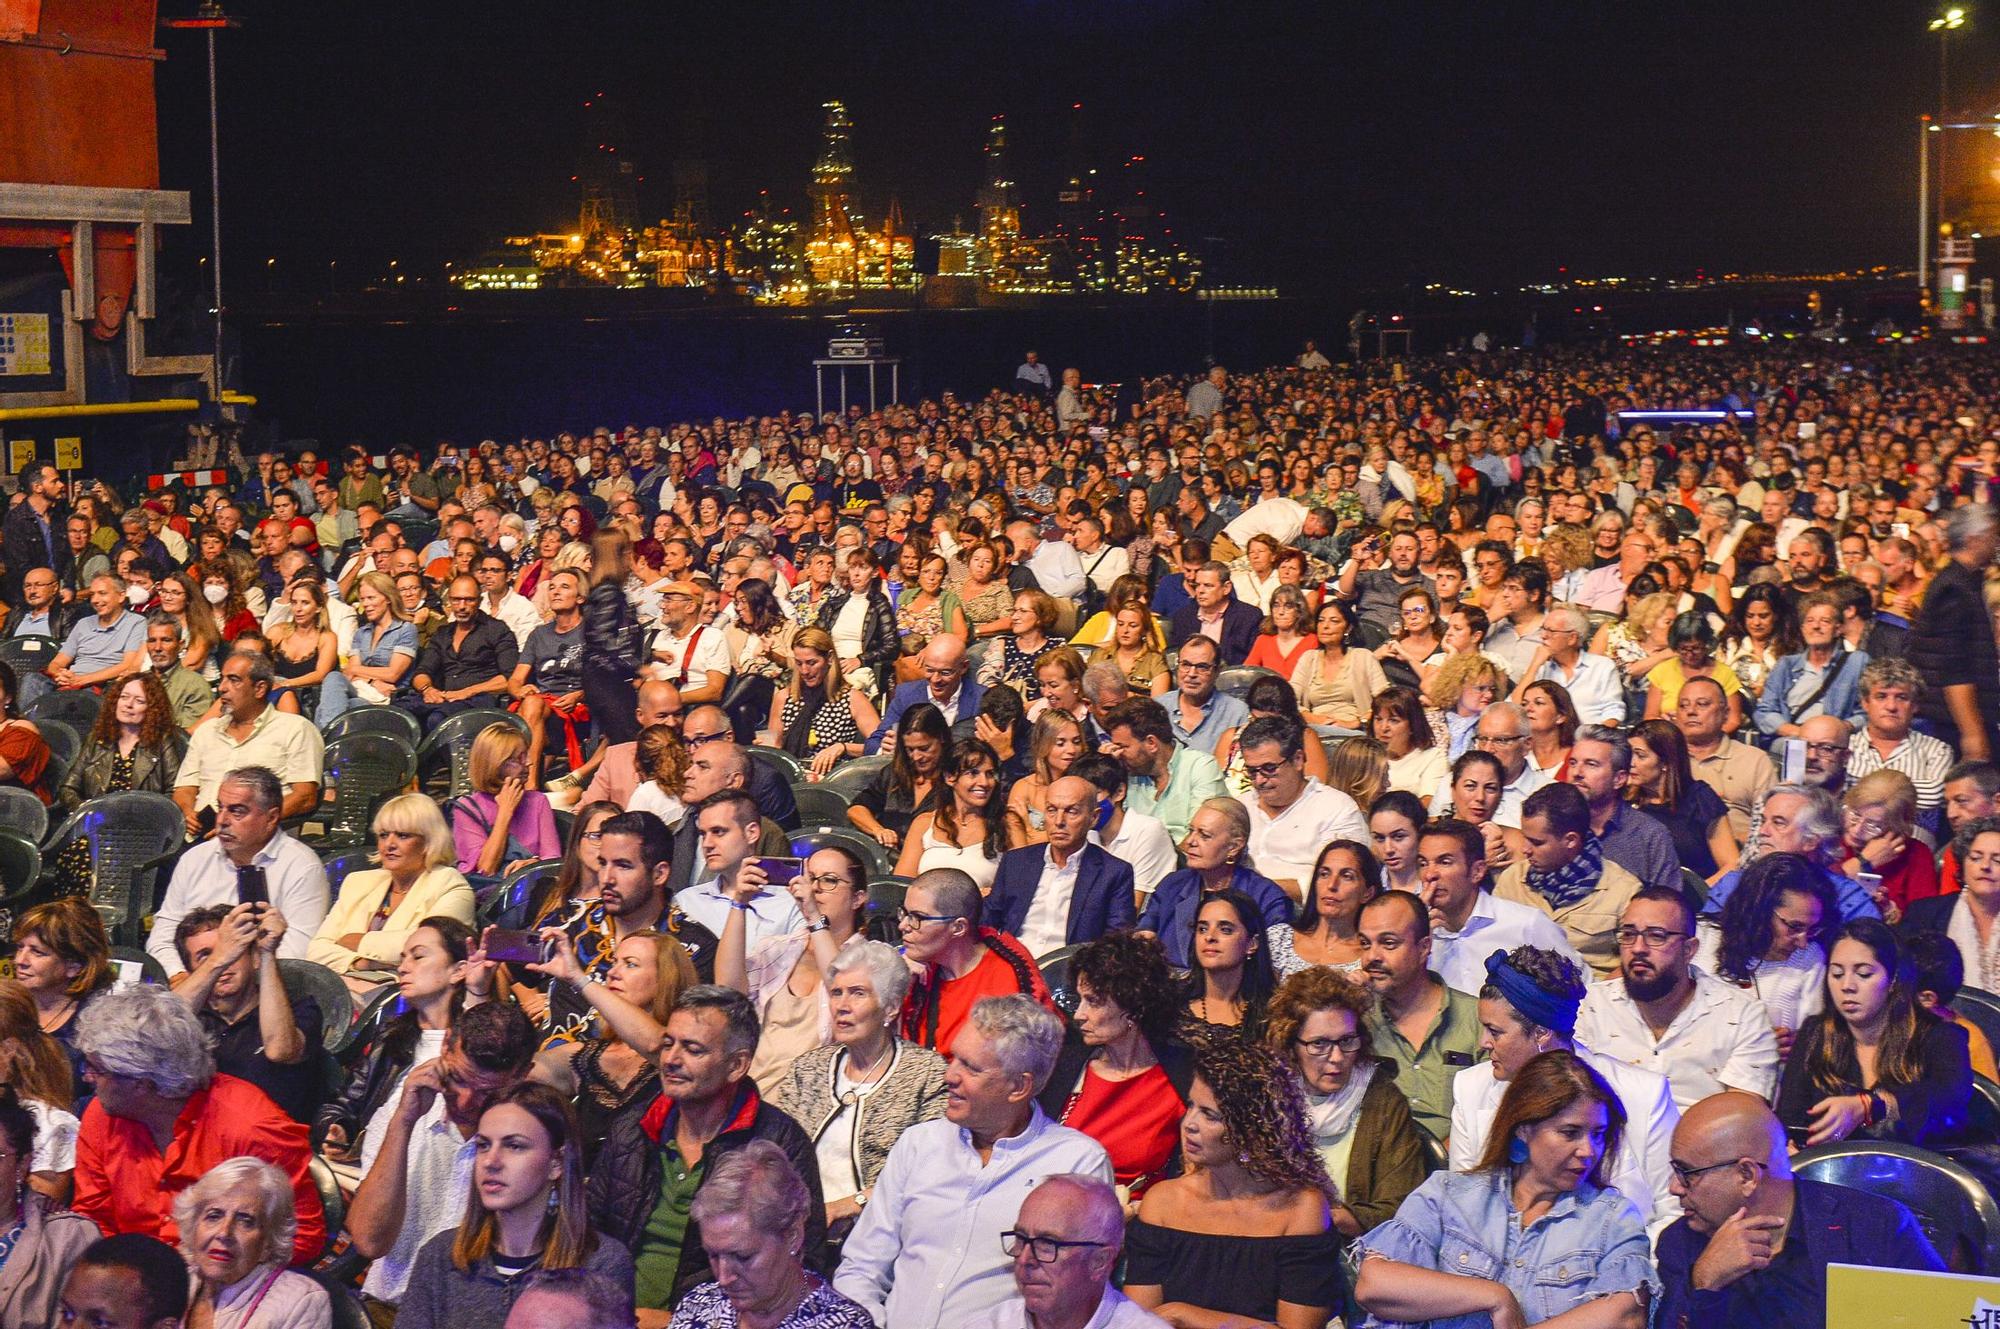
654, 1163
1217, 613
1951, 643
1067, 891
466, 665
33, 535
1753, 1242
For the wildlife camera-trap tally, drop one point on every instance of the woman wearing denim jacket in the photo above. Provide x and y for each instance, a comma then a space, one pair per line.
1533, 1235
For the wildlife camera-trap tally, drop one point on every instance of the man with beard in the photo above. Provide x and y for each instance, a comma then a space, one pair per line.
1662, 1014
1428, 1031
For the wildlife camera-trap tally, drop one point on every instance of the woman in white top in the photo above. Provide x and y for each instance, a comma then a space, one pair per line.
1766, 939
1417, 764
1326, 930
1254, 585
34, 1066
966, 832
662, 764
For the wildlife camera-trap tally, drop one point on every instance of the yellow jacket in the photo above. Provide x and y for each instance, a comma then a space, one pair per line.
442, 890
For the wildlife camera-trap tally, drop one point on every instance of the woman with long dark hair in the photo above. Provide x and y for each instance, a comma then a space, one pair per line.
1552, 724
1875, 1062
1762, 629
909, 784
966, 831
1417, 762
1231, 979
1394, 822
1767, 939
1664, 788
1326, 932
613, 641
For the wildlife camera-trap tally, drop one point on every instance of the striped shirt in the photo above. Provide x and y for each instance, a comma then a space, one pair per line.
1923, 758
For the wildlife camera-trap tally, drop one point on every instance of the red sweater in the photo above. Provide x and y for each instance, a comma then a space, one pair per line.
125, 1184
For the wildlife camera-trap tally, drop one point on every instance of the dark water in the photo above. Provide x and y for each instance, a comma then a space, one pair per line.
419, 382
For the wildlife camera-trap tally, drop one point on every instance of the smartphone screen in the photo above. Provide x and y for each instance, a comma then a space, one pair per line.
1794, 760
780, 871
515, 946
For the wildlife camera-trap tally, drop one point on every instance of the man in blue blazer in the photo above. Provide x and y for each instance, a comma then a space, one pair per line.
947, 684
1068, 890
1215, 601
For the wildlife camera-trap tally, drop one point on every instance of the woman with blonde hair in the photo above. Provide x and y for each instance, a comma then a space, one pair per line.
1359, 768
237, 1225
1131, 647
819, 718
379, 657
1459, 693
1129, 589
502, 824
525, 1211
1055, 743
1637, 643
1059, 674
661, 760
303, 651
363, 934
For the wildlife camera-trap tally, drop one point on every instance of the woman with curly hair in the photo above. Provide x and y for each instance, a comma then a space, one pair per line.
222, 598
1248, 1230
1543, 1172
1767, 939
1122, 1078
1459, 693
1360, 1121
662, 763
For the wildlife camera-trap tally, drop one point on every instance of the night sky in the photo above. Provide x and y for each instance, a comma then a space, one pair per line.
1324, 145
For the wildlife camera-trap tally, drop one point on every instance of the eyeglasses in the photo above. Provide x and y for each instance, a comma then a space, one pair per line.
1264, 771
1688, 1174
1494, 740
694, 741
1322, 1048
1826, 749
908, 918
1046, 1250
1630, 937
1197, 666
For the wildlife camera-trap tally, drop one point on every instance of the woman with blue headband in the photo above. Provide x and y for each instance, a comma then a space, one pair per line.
1527, 1007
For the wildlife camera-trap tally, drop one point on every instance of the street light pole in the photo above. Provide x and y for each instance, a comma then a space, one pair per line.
1945, 24
1924, 128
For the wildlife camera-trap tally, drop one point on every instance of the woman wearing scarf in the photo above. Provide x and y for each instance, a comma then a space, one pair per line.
1527, 1007
1360, 1121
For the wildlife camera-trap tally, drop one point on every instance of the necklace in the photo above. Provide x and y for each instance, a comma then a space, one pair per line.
54, 1020
1235, 1006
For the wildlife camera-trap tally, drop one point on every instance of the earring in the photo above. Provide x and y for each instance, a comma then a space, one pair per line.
552, 1200
1517, 1150
1243, 1158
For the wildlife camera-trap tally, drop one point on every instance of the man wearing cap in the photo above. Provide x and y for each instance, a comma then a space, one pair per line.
693, 656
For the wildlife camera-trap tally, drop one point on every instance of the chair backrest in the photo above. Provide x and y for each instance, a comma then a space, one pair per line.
20, 863
77, 708
1981, 1008
22, 812
150, 969
1236, 680
63, 740
807, 840
781, 761
445, 756
1055, 972
130, 834
851, 777
382, 1006
1695, 887
30, 654
1984, 1114
376, 720
507, 904
818, 805
362, 771
1955, 1211
333, 1202
339, 867
304, 978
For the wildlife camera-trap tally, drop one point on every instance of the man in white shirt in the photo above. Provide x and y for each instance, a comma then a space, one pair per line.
1591, 680
499, 599
1058, 570
1503, 731
1527, 1006
1281, 518
1102, 563
247, 843
926, 1252
1467, 922
1140, 840
1065, 1243
691, 655
249, 732
729, 827
1663, 1014
1292, 815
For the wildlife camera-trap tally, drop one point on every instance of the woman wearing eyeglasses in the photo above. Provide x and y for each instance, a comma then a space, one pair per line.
1875, 1063
1459, 693
1766, 939
1247, 1233
1883, 853
1359, 1119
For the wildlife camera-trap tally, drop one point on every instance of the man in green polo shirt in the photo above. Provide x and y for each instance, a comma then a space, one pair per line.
1430, 1031
1164, 778
187, 691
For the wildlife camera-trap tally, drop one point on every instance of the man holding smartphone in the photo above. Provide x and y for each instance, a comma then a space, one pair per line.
729, 827
248, 860
261, 1032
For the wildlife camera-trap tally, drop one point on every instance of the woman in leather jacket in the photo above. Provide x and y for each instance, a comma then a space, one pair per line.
878, 643
611, 639
133, 745
430, 982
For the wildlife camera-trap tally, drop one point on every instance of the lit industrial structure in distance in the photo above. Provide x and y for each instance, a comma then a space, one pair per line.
1095, 246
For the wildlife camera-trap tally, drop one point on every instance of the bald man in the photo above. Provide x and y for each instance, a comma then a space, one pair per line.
947, 684
1079, 1218
1753, 1242
1067, 890
617, 771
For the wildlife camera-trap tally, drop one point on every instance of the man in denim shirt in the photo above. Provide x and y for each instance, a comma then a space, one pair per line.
1753, 1243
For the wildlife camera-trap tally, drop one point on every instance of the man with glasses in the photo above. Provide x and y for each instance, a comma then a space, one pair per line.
947, 684
1200, 714
958, 961
1795, 819
1603, 589
1519, 612
691, 655
498, 598
617, 773
927, 1250
1662, 1013
466, 665
1065, 1244
1292, 815
1591, 680
707, 729
1503, 731
1752, 1246
1828, 740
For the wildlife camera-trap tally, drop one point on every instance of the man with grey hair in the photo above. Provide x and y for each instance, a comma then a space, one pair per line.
1591, 680
1951, 642
1891, 691
163, 1116
250, 731
926, 1251
1807, 821
249, 860
1503, 731
653, 1164
1600, 764
1065, 1243
1104, 686
572, 1299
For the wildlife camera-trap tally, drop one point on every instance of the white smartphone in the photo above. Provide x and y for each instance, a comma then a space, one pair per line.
1793, 761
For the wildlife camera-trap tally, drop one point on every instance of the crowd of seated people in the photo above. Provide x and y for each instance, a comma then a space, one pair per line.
1303, 846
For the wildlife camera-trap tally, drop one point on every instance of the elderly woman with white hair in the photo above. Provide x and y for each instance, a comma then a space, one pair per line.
363, 934
752, 1214
237, 1225
856, 1096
